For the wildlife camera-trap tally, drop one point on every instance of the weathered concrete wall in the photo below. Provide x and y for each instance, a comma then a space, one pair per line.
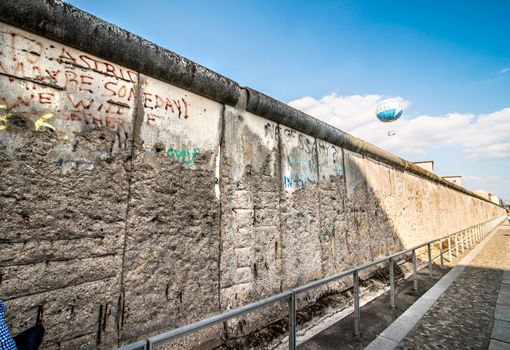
251, 247
170, 270
138, 197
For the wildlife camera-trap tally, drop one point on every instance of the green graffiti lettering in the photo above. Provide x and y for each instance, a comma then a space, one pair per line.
184, 156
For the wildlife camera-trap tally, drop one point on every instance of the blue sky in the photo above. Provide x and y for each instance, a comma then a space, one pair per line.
448, 61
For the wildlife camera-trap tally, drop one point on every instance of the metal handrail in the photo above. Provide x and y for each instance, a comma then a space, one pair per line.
469, 237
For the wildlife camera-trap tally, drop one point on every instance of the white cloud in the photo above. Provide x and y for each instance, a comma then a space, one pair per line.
481, 137
344, 112
504, 70
492, 184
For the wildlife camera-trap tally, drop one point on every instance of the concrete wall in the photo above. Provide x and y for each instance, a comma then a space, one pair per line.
130, 205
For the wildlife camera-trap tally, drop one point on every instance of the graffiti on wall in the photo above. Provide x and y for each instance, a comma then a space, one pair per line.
42, 122
303, 143
179, 107
183, 155
298, 179
3, 117
7, 119
38, 73
330, 160
304, 157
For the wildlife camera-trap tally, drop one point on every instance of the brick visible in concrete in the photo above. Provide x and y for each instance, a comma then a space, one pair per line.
501, 331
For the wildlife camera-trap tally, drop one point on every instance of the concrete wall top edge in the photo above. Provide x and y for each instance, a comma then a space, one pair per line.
81, 30
270, 108
71, 26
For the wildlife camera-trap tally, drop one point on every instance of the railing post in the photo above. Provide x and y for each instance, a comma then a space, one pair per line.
457, 245
357, 322
441, 253
449, 249
429, 252
462, 241
392, 285
292, 321
415, 271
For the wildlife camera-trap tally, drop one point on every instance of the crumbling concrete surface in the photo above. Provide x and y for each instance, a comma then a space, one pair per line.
63, 206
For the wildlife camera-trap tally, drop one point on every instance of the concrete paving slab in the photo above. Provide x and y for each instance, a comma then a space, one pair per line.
400, 327
498, 345
501, 331
503, 300
381, 343
502, 313
506, 277
418, 309
505, 288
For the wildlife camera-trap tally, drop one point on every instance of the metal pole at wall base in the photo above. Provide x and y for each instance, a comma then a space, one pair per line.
441, 253
292, 322
392, 285
449, 249
415, 272
429, 252
357, 322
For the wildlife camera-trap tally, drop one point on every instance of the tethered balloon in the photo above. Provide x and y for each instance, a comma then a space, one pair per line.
389, 110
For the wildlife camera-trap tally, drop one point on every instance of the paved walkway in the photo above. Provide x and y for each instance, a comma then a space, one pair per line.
500, 337
375, 315
473, 312
469, 308
468, 315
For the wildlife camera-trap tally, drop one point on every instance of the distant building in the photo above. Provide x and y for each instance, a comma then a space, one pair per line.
483, 194
492, 197
455, 179
426, 164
